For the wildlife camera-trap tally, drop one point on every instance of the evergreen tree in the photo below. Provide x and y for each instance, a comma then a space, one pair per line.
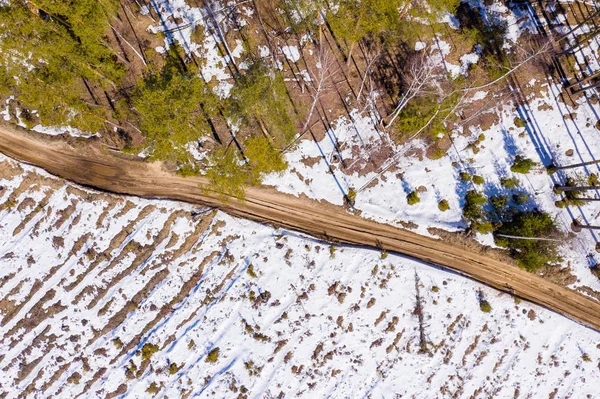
47, 49
173, 107
260, 96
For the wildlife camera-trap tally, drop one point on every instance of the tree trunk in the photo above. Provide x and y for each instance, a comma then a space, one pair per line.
553, 169
576, 188
576, 227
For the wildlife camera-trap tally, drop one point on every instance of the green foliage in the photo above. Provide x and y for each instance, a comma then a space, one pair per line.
435, 288
413, 198
572, 197
485, 306
511, 182
173, 368
420, 111
213, 355
521, 198
443, 205
522, 165
262, 157
500, 205
250, 271
482, 227
593, 179
369, 17
474, 202
478, 179
148, 350
563, 203
229, 175
464, 176
260, 96
517, 300
300, 14
153, 388
473, 211
384, 254
436, 152
331, 251
226, 173
530, 254
351, 196
62, 43
487, 28
519, 122
172, 107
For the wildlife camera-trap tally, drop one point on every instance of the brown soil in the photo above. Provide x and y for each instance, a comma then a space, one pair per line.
125, 176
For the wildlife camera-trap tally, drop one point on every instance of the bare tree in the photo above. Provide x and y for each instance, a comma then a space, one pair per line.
553, 169
531, 54
321, 82
418, 311
420, 79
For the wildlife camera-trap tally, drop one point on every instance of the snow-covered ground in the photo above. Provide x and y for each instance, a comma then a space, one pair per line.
382, 196
87, 279
384, 173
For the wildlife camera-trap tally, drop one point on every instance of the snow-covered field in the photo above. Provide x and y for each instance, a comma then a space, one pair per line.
88, 279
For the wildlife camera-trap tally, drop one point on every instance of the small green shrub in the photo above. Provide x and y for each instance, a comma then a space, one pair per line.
384, 254
521, 198
148, 350
485, 306
473, 204
435, 288
499, 202
173, 368
351, 196
511, 182
443, 205
586, 358
519, 122
436, 153
530, 254
482, 227
474, 147
250, 271
413, 198
331, 251
522, 165
213, 355
153, 388
464, 176
593, 179
481, 137
478, 179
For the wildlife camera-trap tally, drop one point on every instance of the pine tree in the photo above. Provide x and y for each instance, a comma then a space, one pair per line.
172, 107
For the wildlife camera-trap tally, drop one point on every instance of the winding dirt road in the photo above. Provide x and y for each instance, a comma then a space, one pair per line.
100, 169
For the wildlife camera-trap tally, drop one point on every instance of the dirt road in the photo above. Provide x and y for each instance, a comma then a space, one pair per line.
109, 172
